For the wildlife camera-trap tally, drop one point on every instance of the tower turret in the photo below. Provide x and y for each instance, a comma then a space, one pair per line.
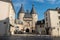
34, 16
21, 13
33, 10
33, 13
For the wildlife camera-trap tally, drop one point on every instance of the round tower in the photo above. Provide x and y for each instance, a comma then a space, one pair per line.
34, 16
21, 13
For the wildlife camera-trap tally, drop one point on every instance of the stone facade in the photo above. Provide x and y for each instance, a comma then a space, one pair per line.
25, 23
4, 16
40, 27
52, 21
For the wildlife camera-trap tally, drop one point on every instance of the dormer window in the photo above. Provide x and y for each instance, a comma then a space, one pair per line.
20, 22
58, 9
17, 28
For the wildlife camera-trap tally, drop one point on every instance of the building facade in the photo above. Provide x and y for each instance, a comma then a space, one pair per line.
6, 12
25, 23
52, 21
40, 27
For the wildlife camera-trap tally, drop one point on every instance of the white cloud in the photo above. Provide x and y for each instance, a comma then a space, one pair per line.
52, 1
39, 1
19, 2
49, 1
58, 2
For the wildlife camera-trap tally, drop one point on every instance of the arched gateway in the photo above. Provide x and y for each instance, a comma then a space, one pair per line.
27, 30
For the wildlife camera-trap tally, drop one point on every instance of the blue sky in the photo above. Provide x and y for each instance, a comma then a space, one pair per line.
40, 6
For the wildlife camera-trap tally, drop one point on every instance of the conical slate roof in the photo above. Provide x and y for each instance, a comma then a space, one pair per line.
21, 9
27, 14
33, 10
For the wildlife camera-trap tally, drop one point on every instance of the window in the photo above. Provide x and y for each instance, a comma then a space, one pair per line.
46, 14
28, 23
4, 22
59, 11
59, 17
59, 23
41, 21
20, 22
47, 24
46, 18
17, 27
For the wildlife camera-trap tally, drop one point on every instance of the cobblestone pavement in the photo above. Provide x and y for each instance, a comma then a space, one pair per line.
29, 38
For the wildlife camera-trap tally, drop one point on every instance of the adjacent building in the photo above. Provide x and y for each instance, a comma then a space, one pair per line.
52, 21
6, 15
40, 27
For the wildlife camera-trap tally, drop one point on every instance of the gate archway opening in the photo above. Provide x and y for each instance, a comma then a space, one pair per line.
27, 30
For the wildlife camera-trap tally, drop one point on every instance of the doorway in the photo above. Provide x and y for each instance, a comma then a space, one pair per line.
27, 30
